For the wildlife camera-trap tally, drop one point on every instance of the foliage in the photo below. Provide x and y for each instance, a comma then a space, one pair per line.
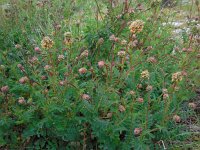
81, 78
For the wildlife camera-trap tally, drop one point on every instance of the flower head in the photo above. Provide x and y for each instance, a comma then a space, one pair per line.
145, 74
21, 100
23, 80
5, 89
137, 131
82, 70
47, 67
85, 97
176, 77
136, 26
192, 105
60, 57
140, 100
101, 64
47, 43
121, 53
177, 118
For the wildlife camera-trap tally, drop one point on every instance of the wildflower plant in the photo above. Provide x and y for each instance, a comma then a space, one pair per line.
75, 81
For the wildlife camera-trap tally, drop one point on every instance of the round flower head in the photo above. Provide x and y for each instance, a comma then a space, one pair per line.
101, 64
23, 80
47, 67
82, 70
177, 118
137, 131
121, 53
149, 88
21, 100
5, 89
136, 26
47, 43
140, 100
85, 97
37, 49
192, 105
176, 77
60, 57
145, 74
123, 42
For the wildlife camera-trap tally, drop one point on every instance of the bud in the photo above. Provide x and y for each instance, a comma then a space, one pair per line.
164, 91
149, 48
149, 88
20, 67
62, 83
23, 80
85, 97
100, 41
112, 37
47, 67
140, 100
21, 100
18, 46
37, 49
109, 115
177, 118
121, 53
43, 77
139, 86
132, 93
165, 96
152, 60
122, 108
123, 42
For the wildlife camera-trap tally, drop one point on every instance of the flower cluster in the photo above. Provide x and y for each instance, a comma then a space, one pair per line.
47, 43
136, 26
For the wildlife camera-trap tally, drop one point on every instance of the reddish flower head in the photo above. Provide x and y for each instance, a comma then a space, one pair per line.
101, 64
5, 89
82, 70
137, 131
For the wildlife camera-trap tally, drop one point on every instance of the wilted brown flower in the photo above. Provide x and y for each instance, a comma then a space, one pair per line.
136, 26
47, 43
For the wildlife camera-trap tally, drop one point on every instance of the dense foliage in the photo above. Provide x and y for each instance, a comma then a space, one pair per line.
93, 75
